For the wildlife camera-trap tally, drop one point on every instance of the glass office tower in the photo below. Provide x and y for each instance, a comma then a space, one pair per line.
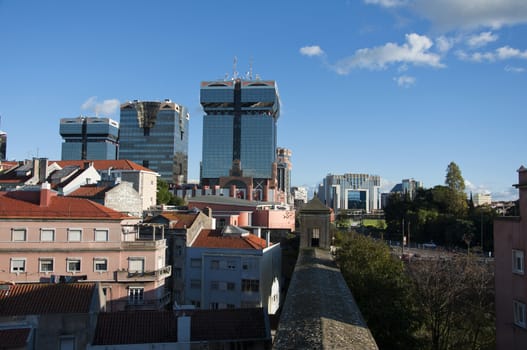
89, 138
155, 135
239, 129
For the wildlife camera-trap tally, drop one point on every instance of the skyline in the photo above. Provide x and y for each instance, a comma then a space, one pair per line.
394, 88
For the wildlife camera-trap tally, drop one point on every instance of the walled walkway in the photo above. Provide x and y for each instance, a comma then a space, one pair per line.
319, 311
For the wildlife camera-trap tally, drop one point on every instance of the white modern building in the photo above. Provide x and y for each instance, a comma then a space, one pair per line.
351, 192
232, 268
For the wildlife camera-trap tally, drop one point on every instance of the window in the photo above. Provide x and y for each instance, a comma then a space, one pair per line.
214, 264
101, 235
214, 306
136, 264
18, 265
45, 264
100, 264
231, 285
250, 285
18, 234
214, 285
517, 261
73, 265
196, 303
136, 295
47, 235
67, 343
231, 265
195, 284
74, 235
230, 306
195, 262
519, 313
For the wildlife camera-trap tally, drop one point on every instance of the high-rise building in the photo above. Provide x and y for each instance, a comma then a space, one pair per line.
283, 174
240, 136
155, 135
3, 145
89, 138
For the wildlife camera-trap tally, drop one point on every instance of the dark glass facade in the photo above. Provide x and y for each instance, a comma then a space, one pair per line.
155, 135
239, 127
89, 138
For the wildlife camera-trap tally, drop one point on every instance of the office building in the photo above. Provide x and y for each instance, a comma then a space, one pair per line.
240, 136
89, 138
481, 199
155, 135
3, 145
358, 192
407, 187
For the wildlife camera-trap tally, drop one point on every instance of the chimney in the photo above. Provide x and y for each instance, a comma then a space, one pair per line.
183, 332
45, 194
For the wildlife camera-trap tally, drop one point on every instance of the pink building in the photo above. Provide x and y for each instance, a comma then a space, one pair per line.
510, 246
50, 238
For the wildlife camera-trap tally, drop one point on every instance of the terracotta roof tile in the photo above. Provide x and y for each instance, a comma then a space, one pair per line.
140, 327
46, 298
214, 239
119, 164
90, 191
59, 207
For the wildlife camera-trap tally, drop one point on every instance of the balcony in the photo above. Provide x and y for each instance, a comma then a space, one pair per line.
144, 276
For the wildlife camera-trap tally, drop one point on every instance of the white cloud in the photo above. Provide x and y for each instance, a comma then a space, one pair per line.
481, 39
387, 3
512, 69
105, 107
464, 14
314, 50
415, 51
444, 43
507, 52
405, 80
502, 53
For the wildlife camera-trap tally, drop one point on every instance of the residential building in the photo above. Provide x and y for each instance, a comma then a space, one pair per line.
510, 249
49, 238
155, 135
299, 195
315, 219
89, 138
480, 199
112, 172
186, 329
232, 268
240, 136
355, 192
181, 227
49, 316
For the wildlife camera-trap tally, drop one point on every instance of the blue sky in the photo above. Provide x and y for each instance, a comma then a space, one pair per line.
397, 88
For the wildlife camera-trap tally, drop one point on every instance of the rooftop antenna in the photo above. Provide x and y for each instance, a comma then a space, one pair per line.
234, 72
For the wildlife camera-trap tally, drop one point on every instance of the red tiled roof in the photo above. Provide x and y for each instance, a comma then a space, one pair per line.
59, 207
140, 327
214, 239
46, 298
14, 338
90, 191
182, 220
119, 164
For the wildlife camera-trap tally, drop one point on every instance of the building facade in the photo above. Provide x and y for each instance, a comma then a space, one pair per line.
510, 248
155, 135
359, 192
283, 174
240, 136
481, 199
50, 238
3, 145
89, 138
232, 268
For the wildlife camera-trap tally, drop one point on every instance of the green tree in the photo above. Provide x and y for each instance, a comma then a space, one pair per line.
454, 180
457, 198
164, 196
381, 288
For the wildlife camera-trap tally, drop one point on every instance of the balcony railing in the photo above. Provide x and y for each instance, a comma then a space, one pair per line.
144, 276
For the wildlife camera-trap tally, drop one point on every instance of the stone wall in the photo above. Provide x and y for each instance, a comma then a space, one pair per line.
319, 311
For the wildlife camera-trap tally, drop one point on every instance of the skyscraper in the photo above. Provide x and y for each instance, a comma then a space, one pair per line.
155, 135
89, 138
239, 136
